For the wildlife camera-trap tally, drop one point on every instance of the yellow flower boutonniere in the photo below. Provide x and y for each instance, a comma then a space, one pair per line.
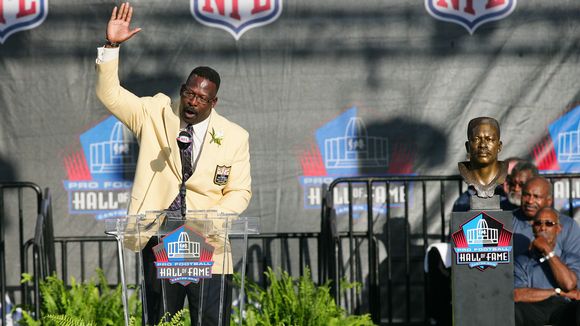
216, 137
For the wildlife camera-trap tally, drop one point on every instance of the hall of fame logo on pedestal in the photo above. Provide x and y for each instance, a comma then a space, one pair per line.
183, 257
482, 242
236, 16
469, 13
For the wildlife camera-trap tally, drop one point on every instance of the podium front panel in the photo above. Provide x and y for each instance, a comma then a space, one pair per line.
190, 249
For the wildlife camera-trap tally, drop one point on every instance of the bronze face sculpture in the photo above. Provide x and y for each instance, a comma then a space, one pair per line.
483, 171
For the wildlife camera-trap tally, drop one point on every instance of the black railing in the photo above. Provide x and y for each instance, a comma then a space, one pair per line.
19, 202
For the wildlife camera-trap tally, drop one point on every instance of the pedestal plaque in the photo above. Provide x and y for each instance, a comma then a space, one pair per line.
482, 265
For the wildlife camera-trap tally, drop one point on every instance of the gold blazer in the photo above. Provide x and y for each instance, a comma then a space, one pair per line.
155, 123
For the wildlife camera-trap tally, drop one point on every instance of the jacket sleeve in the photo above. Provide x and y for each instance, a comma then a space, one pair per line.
126, 106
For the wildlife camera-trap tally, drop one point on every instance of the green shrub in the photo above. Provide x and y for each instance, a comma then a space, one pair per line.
289, 301
86, 304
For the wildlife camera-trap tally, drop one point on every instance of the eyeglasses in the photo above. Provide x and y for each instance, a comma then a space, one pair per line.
546, 223
192, 96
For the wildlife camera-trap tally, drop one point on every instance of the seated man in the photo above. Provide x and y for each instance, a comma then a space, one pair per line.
537, 194
546, 276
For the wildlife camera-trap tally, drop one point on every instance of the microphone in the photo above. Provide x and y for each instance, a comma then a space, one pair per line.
184, 139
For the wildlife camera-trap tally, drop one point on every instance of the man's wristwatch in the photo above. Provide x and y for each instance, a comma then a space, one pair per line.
548, 256
110, 44
558, 291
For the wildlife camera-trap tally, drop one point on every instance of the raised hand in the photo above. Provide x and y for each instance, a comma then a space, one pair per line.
118, 29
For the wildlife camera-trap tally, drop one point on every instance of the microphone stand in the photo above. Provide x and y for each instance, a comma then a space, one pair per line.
182, 192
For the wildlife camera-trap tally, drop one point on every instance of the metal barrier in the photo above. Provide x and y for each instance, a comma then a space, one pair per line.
19, 202
394, 285
43, 260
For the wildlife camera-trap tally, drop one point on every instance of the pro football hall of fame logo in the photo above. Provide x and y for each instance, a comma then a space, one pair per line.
345, 147
559, 152
100, 173
183, 257
482, 242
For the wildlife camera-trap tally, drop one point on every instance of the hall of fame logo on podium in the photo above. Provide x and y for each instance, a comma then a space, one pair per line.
183, 257
482, 242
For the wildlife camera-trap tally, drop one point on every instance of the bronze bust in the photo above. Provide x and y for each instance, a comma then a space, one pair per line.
483, 171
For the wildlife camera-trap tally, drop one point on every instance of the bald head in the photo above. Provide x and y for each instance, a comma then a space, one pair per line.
548, 211
541, 182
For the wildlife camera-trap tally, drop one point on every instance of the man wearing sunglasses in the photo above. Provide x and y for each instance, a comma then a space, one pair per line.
536, 195
215, 167
546, 277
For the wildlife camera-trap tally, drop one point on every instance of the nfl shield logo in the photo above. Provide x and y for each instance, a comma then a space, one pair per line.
222, 173
17, 16
236, 16
470, 13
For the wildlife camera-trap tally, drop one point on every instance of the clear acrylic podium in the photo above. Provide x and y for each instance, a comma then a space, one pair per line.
190, 249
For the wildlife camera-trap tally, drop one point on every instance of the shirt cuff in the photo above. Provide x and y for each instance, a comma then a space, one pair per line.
106, 54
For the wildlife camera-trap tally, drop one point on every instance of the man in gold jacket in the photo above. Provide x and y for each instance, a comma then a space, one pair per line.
220, 161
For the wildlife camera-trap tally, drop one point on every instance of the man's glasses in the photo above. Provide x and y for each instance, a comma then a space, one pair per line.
546, 223
192, 96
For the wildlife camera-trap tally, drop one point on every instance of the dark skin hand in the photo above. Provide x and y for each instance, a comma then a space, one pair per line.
541, 245
118, 28
573, 295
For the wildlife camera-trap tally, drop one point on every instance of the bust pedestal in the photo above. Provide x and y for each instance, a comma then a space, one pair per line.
482, 265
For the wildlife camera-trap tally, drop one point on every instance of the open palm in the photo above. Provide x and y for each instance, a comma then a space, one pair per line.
118, 28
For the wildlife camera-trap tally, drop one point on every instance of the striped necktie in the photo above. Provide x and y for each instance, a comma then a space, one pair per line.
187, 168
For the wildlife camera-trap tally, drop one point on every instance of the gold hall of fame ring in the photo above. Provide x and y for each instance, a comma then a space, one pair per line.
221, 175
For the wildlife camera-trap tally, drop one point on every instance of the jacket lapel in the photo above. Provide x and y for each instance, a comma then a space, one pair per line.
209, 150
